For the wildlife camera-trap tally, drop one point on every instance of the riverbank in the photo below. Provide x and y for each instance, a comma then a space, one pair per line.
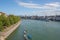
8, 31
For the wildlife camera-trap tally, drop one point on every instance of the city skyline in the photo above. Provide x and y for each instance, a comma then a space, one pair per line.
30, 7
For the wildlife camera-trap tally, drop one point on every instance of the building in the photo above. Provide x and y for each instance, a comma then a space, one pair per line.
57, 18
2, 13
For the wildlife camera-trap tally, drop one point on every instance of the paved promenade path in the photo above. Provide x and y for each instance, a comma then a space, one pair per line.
8, 31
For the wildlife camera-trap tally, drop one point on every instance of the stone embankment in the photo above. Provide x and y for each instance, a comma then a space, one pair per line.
9, 30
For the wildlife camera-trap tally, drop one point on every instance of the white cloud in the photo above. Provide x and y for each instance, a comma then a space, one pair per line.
50, 8
29, 5
39, 6
55, 4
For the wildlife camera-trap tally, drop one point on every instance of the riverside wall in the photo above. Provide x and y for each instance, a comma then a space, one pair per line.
9, 30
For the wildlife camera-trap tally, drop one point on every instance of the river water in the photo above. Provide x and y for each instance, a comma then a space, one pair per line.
40, 30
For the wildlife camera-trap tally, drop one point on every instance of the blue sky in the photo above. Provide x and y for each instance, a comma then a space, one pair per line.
30, 7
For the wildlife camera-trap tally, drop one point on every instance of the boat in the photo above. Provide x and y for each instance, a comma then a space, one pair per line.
27, 36
25, 32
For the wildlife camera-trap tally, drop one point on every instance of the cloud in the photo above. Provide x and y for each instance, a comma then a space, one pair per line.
53, 5
29, 5
45, 9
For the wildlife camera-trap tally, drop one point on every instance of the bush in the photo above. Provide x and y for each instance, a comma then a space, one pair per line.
7, 21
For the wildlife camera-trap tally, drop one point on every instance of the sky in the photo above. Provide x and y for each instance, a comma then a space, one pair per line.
30, 7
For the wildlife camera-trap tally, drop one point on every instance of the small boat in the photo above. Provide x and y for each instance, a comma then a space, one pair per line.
25, 37
25, 32
29, 36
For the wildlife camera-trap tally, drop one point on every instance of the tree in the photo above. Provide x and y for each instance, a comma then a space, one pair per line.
1, 26
7, 21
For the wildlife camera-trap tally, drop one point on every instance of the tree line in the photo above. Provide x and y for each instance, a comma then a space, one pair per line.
6, 21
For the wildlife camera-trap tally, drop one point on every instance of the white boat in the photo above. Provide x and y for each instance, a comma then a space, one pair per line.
25, 32
25, 35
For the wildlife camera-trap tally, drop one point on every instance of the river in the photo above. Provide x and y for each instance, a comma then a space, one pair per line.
40, 30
